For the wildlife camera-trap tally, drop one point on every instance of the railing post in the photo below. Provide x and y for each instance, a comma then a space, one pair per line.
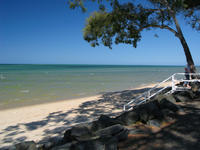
148, 94
124, 107
173, 83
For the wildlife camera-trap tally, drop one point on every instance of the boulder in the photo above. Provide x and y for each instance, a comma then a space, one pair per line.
103, 139
103, 122
28, 145
50, 142
136, 131
149, 111
78, 133
169, 97
183, 96
195, 87
64, 147
154, 122
88, 145
143, 113
113, 133
129, 117
166, 104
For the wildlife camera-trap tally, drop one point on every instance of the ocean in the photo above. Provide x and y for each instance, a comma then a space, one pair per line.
34, 84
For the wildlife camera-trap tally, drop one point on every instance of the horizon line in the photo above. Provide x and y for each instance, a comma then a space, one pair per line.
92, 64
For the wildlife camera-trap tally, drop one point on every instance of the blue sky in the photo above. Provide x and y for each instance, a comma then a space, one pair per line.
48, 32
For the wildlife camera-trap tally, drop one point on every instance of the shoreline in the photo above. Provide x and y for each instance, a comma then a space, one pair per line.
29, 104
37, 122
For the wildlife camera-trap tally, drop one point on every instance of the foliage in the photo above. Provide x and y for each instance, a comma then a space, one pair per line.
124, 21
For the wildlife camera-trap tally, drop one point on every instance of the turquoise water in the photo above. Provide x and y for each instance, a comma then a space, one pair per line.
32, 84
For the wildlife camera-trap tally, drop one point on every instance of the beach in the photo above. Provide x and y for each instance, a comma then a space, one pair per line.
43, 121
39, 102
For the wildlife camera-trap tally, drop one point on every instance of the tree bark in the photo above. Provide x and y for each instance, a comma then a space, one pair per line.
188, 55
186, 48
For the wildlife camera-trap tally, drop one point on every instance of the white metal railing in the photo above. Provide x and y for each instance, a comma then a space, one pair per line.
172, 82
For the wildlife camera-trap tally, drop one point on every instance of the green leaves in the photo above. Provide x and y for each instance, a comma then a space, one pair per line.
77, 3
123, 24
125, 21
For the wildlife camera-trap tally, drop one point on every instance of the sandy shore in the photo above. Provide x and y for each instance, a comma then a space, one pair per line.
39, 122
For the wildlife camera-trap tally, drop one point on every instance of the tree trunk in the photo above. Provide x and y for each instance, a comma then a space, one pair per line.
188, 55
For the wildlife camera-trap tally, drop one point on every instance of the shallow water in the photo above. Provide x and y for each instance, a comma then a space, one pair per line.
31, 84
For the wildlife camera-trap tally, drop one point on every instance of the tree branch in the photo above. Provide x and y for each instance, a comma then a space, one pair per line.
161, 27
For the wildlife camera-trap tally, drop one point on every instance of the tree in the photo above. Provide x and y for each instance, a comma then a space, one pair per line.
192, 3
123, 22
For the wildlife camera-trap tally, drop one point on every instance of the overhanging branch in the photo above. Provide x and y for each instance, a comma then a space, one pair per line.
161, 27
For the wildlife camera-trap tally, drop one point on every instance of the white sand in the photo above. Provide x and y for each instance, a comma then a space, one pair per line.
47, 120
30, 122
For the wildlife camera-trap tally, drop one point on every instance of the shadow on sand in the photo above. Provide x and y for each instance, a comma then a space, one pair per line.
183, 134
110, 103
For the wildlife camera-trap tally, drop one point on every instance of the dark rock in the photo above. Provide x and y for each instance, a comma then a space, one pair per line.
129, 117
183, 96
143, 113
103, 122
64, 147
111, 146
50, 142
165, 104
154, 122
104, 139
79, 133
149, 111
136, 131
88, 145
168, 112
144, 116
29, 145
67, 136
169, 97
180, 98
113, 133
195, 86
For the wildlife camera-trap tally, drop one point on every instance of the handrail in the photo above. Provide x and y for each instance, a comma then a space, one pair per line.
147, 95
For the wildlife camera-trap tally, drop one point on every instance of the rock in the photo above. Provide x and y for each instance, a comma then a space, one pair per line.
149, 111
136, 131
78, 133
50, 142
67, 136
195, 87
144, 116
28, 145
180, 98
103, 122
64, 147
103, 139
168, 112
165, 104
88, 145
154, 122
143, 113
113, 133
168, 97
183, 96
129, 117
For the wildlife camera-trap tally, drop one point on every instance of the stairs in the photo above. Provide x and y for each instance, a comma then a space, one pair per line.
167, 86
